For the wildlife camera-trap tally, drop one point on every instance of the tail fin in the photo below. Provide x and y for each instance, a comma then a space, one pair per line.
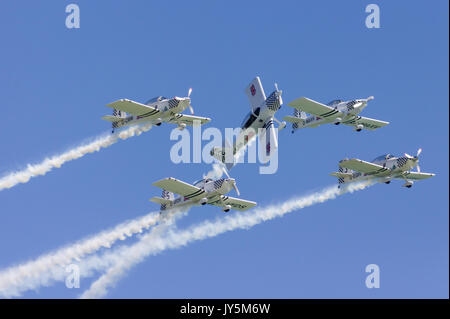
344, 175
168, 196
298, 114
224, 155
119, 115
255, 93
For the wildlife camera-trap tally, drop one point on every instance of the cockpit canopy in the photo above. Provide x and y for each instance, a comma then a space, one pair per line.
382, 158
334, 102
201, 182
250, 118
156, 99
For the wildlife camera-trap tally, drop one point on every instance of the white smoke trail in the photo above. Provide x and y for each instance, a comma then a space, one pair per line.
48, 164
43, 270
152, 243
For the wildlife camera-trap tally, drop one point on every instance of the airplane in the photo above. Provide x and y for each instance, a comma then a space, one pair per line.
157, 110
336, 111
382, 169
261, 116
202, 192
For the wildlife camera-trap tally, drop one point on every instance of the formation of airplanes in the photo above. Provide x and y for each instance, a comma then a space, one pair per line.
260, 121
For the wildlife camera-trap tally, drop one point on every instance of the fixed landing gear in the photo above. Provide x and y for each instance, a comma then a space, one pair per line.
388, 182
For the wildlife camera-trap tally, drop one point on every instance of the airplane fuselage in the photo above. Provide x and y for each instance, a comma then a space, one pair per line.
347, 112
259, 118
210, 192
394, 167
167, 109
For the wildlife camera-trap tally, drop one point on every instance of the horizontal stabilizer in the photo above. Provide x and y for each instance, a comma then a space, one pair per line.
292, 119
111, 118
341, 175
160, 200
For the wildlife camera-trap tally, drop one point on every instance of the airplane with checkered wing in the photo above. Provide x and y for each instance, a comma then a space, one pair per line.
382, 169
336, 112
260, 121
156, 111
205, 191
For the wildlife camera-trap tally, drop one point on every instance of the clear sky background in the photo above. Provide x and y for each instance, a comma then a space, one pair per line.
55, 83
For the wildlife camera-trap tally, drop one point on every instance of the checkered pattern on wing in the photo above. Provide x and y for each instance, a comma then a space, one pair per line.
173, 103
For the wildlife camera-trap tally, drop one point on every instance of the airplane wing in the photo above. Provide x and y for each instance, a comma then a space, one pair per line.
135, 108
179, 187
368, 123
309, 106
235, 203
188, 119
362, 166
417, 175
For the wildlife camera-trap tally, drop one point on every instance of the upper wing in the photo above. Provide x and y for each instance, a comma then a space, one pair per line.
368, 123
417, 175
176, 186
313, 107
188, 119
235, 203
362, 166
135, 108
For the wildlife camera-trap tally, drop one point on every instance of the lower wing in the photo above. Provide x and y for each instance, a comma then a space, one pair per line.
235, 203
188, 119
367, 123
417, 175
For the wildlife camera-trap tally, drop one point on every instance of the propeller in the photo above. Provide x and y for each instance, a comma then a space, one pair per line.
234, 181
190, 106
276, 88
415, 158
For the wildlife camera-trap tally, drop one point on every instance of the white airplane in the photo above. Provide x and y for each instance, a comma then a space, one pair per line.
337, 112
382, 169
202, 192
157, 110
261, 116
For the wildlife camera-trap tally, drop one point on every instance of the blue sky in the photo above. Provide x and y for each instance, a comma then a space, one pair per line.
55, 83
